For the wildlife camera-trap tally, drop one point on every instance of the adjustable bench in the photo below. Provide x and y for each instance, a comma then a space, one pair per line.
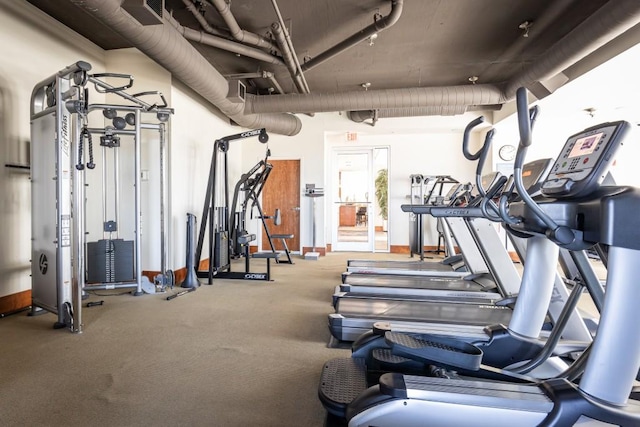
283, 238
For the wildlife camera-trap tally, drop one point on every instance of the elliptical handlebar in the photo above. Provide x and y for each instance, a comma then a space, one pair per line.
560, 234
482, 158
465, 140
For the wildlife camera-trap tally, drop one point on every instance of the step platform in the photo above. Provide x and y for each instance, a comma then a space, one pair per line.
433, 349
342, 380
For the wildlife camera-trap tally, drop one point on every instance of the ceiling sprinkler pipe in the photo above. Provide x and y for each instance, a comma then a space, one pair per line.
378, 26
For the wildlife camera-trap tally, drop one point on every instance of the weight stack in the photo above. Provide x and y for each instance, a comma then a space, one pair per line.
221, 249
110, 261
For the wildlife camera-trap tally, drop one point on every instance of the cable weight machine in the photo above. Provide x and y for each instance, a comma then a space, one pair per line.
64, 263
227, 235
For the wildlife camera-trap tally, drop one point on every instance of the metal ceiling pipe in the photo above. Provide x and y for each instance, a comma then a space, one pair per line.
288, 57
290, 46
375, 28
224, 44
607, 23
480, 94
201, 19
165, 45
224, 9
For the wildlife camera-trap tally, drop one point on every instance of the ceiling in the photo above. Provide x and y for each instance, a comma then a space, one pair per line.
460, 55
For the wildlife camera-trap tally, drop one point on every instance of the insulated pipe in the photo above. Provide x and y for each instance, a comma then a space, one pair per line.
201, 19
220, 43
481, 94
236, 32
165, 45
377, 27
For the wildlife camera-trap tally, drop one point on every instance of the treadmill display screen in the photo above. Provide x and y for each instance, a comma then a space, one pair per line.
585, 145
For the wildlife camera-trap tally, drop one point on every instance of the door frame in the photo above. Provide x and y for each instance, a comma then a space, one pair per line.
369, 245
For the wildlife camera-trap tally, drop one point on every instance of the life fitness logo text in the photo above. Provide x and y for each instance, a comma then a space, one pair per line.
43, 264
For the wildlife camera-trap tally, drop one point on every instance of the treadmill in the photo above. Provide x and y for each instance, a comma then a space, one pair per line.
453, 262
469, 261
412, 287
356, 316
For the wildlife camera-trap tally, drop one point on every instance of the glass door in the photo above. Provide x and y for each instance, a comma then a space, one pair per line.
353, 200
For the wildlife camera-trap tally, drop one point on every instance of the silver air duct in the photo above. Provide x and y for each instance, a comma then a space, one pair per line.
165, 45
481, 94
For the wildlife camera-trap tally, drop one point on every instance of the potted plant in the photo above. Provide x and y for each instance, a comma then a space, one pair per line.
382, 195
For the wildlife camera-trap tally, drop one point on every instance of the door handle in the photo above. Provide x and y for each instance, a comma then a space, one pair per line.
296, 208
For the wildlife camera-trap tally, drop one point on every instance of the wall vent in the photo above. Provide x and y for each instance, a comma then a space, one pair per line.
147, 12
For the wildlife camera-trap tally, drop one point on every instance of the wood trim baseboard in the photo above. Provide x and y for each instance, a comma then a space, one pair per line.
15, 302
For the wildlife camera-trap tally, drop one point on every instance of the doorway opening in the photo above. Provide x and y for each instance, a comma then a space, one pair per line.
360, 199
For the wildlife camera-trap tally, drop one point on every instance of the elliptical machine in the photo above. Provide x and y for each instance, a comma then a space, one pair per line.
576, 213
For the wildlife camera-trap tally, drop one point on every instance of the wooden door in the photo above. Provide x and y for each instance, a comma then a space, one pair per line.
282, 191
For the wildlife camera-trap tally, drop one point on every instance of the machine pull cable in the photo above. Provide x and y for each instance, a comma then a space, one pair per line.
91, 164
85, 134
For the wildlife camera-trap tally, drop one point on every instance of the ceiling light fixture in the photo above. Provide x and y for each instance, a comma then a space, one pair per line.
525, 27
366, 85
590, 111
473, 79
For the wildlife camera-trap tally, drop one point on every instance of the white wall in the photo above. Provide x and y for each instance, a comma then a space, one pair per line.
195, 127
611, 89
34, 47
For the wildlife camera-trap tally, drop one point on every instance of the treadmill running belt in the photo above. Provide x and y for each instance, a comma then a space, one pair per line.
407, 265
420, 282
420, 311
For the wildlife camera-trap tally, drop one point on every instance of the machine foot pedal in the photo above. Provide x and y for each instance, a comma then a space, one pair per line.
384, 360
342, 380
432, 349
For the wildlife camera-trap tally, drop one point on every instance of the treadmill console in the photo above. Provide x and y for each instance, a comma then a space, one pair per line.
534, 174
585, 160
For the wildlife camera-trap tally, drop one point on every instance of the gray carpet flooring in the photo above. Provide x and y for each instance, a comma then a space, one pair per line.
237, 353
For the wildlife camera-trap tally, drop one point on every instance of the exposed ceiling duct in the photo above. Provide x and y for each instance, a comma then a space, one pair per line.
607, 23
481, 94
165, 45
